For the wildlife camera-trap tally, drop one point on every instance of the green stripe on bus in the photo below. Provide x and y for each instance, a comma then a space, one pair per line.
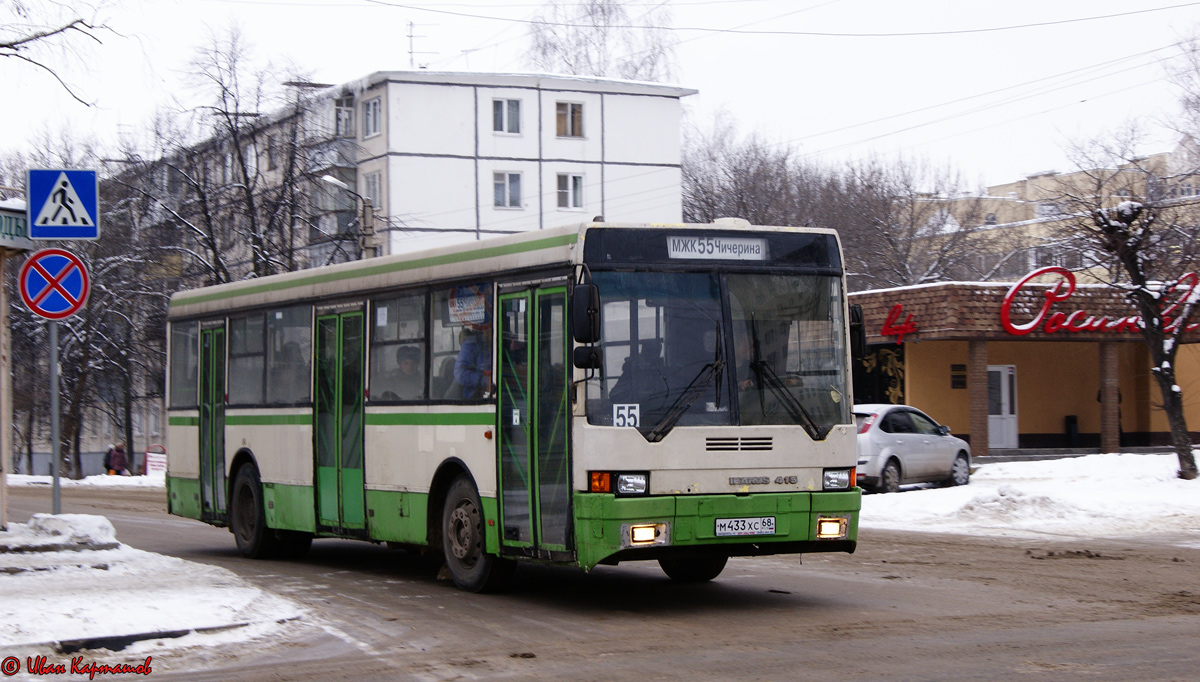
268, 419
427, 419
447, 259
183, 421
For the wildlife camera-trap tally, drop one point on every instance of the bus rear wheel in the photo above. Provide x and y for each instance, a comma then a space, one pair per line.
247, 520
471, 567
693, 569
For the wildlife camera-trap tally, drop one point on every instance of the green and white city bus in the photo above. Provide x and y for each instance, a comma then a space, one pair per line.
578, 396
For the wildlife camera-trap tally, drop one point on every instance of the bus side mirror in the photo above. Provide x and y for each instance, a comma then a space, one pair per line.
858, 332
585, 313
586, 357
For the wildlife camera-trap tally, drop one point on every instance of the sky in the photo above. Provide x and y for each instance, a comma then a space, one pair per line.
997, 90
85, 593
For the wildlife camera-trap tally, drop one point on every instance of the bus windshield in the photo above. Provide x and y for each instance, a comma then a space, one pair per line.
694, 349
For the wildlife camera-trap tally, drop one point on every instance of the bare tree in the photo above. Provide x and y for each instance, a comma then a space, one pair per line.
234, 183
1144, 241
905, 222
599, 38
901, 222
44, 35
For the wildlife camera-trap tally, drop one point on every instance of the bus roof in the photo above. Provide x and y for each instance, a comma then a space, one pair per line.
526, 250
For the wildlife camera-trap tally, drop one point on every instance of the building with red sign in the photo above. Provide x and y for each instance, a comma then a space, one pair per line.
1025, 365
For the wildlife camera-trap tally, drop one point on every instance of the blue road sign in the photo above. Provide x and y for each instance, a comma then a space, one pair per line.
54, 283
63, 204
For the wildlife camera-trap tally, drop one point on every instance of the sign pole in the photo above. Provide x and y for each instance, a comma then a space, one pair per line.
55, 445
6, 441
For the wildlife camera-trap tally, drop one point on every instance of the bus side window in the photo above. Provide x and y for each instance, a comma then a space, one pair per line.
398, 349
289, 355
246, 360
462, 341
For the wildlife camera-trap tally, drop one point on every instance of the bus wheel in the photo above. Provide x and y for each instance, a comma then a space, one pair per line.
473, 569
248, 520
693, 569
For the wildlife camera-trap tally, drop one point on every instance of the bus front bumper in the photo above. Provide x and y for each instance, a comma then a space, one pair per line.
610, 529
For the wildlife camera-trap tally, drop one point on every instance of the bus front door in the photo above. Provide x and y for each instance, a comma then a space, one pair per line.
338, 415
533, 415
212, 424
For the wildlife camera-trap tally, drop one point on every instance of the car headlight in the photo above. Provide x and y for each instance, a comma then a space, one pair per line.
837, 479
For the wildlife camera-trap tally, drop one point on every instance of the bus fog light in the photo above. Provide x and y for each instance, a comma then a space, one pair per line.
831, 528
631, 484
641, 535
645, 534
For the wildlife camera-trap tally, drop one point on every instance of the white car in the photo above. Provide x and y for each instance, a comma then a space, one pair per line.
898, 444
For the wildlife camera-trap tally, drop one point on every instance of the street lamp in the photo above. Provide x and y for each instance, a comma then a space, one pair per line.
366, 230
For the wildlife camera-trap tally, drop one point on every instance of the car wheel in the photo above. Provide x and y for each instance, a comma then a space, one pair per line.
960, 473
693, 569
471, 567
889, 480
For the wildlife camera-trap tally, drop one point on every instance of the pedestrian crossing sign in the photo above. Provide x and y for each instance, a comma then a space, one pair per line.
63, 204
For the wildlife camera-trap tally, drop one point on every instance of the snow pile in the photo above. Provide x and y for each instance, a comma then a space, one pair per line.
55, 596
78, 529
101, 480
1112, 495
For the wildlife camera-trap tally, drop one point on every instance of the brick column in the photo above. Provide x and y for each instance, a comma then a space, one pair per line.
977, 395
1110, 410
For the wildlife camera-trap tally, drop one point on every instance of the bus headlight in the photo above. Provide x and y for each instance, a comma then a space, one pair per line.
631, 484
838, 479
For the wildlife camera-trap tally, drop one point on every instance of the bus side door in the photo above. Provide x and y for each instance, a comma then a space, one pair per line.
534, 414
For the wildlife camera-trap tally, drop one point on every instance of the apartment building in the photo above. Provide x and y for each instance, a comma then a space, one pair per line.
446, 157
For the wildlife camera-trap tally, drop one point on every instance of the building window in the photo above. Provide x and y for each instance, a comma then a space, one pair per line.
508, 189
343, 108
570, 191
272, 152
371, 114
251, 156
506, 115
371, 187
990, 219
570, 119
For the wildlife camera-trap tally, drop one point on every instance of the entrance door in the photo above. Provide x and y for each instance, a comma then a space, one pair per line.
1002, 406
212, 424
533, 415
338, 408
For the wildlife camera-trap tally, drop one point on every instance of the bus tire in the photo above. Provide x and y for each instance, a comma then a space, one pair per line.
693, 569
471, 567
248, 521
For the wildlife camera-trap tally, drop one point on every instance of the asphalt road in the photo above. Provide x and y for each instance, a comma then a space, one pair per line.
905, 606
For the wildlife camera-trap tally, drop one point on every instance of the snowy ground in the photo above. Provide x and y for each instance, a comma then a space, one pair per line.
67, 582
65, 595
1097, 496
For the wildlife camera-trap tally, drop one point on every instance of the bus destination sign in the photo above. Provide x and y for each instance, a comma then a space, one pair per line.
716, 248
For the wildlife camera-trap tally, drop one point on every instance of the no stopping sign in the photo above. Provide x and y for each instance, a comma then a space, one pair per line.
54, 284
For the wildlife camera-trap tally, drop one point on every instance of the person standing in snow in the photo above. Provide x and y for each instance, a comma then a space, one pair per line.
116, 461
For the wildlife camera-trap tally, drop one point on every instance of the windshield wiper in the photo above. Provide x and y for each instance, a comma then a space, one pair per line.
695, 387
794, 407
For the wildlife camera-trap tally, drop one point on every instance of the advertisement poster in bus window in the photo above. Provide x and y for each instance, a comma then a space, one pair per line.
469, 305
